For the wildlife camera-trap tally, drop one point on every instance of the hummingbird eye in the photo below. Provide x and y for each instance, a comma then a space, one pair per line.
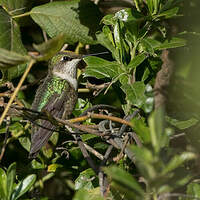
66, 58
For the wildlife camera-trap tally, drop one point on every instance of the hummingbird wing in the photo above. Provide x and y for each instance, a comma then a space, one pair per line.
59, 106
41, 135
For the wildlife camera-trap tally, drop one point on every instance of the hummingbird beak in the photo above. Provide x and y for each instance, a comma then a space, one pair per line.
95, 54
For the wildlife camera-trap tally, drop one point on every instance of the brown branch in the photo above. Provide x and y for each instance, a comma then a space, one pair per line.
93, 151
100, 116
79, 127
86, 155
119, 157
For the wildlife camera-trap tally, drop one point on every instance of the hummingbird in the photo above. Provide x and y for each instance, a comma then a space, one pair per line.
57, 95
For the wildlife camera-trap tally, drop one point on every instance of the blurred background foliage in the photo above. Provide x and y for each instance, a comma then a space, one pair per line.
151, 75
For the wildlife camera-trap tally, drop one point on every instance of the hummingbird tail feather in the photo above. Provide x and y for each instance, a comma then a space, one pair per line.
40, 138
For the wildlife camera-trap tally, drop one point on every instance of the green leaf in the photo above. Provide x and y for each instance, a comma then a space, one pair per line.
14, 7
177, 161
135, 93
37, 165
141, 129
10, 39
169, 13
53, 167
127, 185
105, 38
25, 142
137, 60
11, 172
83, 194
144, 161
182, 124
23, 186
50, 48
172, 43
10, 58
100, 68
147, 47
193, 189
78, 20
16, 129
3, 185
10, 33
86, 137
84, 180
156, 125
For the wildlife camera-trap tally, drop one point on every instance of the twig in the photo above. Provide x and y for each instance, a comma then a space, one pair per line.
79, 127
119, 157
93, 151
102, 177
86, 155
5, 139
136, 138
16, 90
100, 116
127, 118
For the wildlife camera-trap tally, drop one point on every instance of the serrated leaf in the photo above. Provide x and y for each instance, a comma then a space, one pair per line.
11, 172
50, 48
100, 68
84, 180
15, 7
23, 186
78, 20
127, 183
172, 43
10, 39
137, 60
135, 93
3, 185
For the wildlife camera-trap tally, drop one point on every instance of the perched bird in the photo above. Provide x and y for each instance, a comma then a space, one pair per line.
57, 95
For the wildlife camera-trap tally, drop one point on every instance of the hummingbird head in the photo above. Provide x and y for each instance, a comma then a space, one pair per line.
64, 65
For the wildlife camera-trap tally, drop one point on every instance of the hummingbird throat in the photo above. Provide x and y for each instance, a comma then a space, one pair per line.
72, 81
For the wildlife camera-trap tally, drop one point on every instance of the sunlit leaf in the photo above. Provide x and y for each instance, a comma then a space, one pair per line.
11, 172
85, 179
23, 186
3, 185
